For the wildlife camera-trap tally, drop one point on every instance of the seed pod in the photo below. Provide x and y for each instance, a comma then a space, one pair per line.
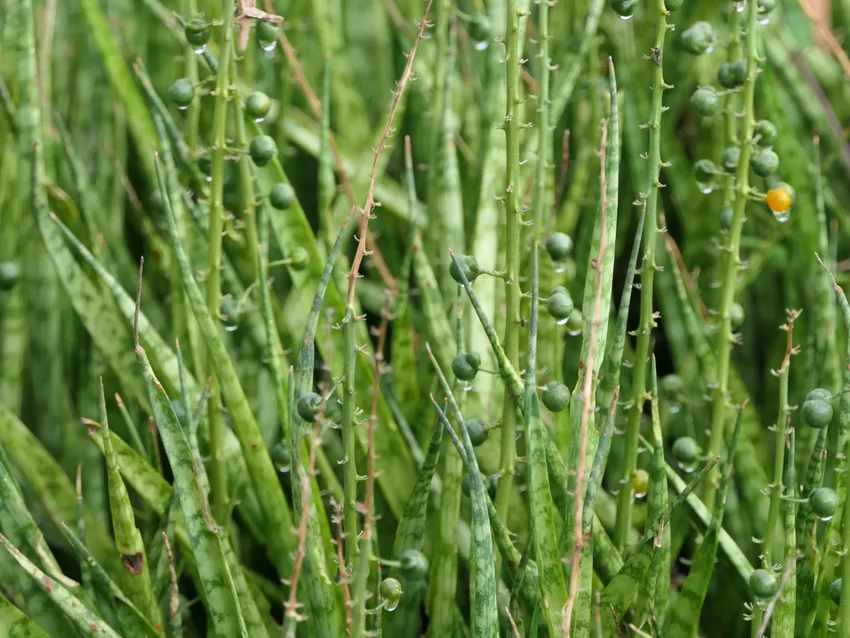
731, 75
699, 38
672, 386
266, 33
736, 315
391, 590
623, 8
685, 450
262, 149
730, 158
763, 584
705, 101
559, 246
673, 5
560, 305
816, 413
281, 196
197, 32
779, 199
258, 105
705, 170
182, 92
309, 406
414, 565
10, 273
824, 502
835, 591
298, 258
765, 162
465, 365
556, 397
765, 133
478, 431
470, 268
820, 394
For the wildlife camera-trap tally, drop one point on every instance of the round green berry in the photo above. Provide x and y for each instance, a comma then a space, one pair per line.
262, 149
258, 105
685, 450
623, 8
182, 92
465, 367
824, 502
835, 591
765, 133
699, 38
672, 386
765, 162
726, 218
414, 565
309, 406
281, 196
763, 584
559, 246
391, 590
468, 265
730, 158
197, 31
299, 258
816, 413
731, 75
266, 33
10, 273
560, 305
477, 430
556, 397
705, 101
705, 170
737, 315
820, 394
673, 5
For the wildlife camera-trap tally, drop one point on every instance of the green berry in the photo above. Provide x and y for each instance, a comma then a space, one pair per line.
623, 8
726, 218
10, 273
816, 413
414, 565
182, 92
820, 394
299, 258
281, 196
765, 133
556, 397
765, 162
763, 584
280, 453
266, 33
575, 323
730, 158
308, 406
672, 386
673, 5
465, 367
686, 450
736, 315
258, 105
477, 430
705, 170
705, 101
468, 265
559, 246
391, 590
560, 305
699, 38
262, 149
835, 591
197, 32
823, 502
731, 75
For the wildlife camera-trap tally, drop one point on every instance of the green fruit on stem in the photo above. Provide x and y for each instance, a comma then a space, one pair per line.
266, 33
699, 38
556, 397
478, 431
10, 273
559, 246
763, 584
705, 101
181, 93
672, 386
835, 591
824, 502
673, 5
414, 565
737, 315
730, 158
731, 75
820, 394
816, 413
468, 265
623, 8
299, 258
765, 133
281, 196
560, 306
197, 32
686, 451
391, 590
258, 105
726, 218
262, 149
765, 162
465, 365
309, 406
705, 171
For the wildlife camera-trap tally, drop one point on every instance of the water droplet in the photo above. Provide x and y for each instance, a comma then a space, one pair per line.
200, 50
467, 388
259, 120
208, 178
269, 46
574, 332
482, 46
640, 494
231, 328
674, 407
390, 605
182, 108
625, 17
740, 6
709, 50
705, 188
781, 216
764, 21
685, 467
561, 322
826, 518
560, 267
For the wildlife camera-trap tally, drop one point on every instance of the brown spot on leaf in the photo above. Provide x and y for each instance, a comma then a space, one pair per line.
133, 563
48, 585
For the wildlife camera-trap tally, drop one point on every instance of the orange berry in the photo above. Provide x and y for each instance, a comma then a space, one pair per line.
778, 200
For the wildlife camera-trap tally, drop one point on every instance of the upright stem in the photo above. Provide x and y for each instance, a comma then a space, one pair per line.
219, 478
507, 462
647, 278
542, 200
725, 338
